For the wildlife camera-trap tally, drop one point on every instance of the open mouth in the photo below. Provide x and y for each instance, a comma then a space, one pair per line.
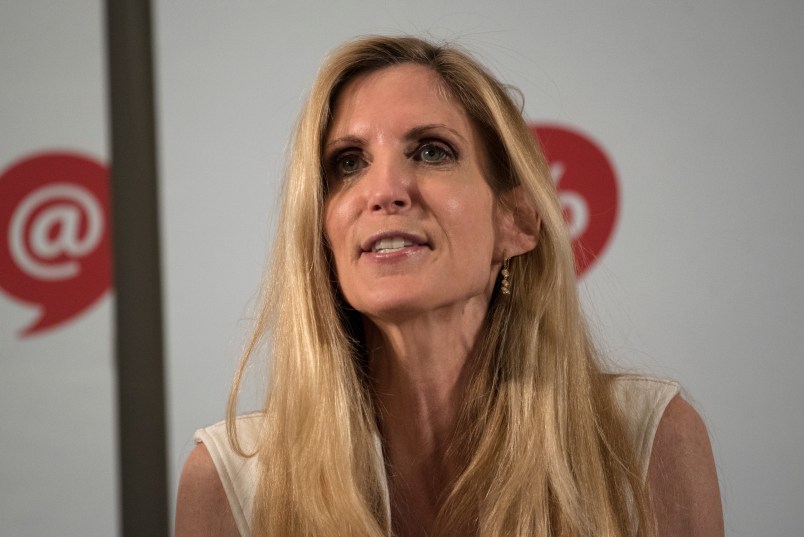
392, 242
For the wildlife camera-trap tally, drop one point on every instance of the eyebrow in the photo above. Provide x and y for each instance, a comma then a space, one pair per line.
348, 139
412, 134
419, 130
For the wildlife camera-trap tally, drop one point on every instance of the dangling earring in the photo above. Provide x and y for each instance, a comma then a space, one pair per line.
505, 284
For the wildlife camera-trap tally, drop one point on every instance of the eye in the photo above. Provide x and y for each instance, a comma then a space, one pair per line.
345, 164
432, 153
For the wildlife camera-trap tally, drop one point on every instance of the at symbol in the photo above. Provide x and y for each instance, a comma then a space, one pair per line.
66, 219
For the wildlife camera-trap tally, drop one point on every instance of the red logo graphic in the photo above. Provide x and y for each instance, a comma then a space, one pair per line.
587, 188
54, 238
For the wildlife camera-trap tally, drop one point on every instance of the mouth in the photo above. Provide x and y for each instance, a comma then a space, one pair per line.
390, 242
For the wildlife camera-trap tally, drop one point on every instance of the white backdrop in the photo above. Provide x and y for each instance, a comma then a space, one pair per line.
698, 105
58, 450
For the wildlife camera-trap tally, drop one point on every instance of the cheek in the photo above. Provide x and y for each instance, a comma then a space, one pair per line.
471, 214
474, 198
334, 224
337, 225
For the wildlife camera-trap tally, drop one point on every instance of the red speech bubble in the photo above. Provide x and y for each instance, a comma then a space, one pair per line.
587, 188
54, 235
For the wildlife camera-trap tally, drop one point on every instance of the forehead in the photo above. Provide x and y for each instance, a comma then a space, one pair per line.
395, 97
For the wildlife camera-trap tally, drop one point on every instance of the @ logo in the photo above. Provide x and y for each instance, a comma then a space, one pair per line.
587, 189
54, 235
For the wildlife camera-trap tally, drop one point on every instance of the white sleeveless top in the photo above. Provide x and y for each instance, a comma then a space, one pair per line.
641, 399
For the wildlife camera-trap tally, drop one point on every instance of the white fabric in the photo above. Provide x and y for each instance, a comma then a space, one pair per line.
642, 400
238, 474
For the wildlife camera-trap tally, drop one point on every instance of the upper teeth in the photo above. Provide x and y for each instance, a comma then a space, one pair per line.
390, 243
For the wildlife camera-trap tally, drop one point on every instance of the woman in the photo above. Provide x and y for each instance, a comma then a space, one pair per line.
432, 373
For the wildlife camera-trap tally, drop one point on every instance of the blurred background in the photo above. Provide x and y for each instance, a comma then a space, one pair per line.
675, 134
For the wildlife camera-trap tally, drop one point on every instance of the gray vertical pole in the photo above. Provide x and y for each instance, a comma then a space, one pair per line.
135, 222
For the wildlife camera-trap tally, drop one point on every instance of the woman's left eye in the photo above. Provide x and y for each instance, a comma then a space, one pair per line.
434, 154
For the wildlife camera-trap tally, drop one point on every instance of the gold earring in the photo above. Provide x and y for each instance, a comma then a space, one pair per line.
505, 284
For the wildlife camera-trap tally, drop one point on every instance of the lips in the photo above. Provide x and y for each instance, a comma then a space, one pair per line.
392, 241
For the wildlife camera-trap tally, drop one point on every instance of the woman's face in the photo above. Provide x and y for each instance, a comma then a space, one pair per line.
410, 217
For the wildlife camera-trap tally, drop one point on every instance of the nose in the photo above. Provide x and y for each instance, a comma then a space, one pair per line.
390, 184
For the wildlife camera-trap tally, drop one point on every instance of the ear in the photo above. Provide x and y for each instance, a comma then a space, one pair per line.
517, 224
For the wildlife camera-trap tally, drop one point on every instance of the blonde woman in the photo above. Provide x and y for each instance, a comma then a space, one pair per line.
431, 369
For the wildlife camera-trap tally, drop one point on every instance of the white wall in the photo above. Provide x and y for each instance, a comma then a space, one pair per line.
698, 105
58, 472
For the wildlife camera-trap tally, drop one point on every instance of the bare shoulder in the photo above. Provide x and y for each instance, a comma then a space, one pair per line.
202, 508
682, 475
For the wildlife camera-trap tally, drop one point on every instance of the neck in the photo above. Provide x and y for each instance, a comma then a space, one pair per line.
419, 370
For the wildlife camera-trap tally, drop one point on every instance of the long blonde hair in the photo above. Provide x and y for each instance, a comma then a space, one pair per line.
544, 449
